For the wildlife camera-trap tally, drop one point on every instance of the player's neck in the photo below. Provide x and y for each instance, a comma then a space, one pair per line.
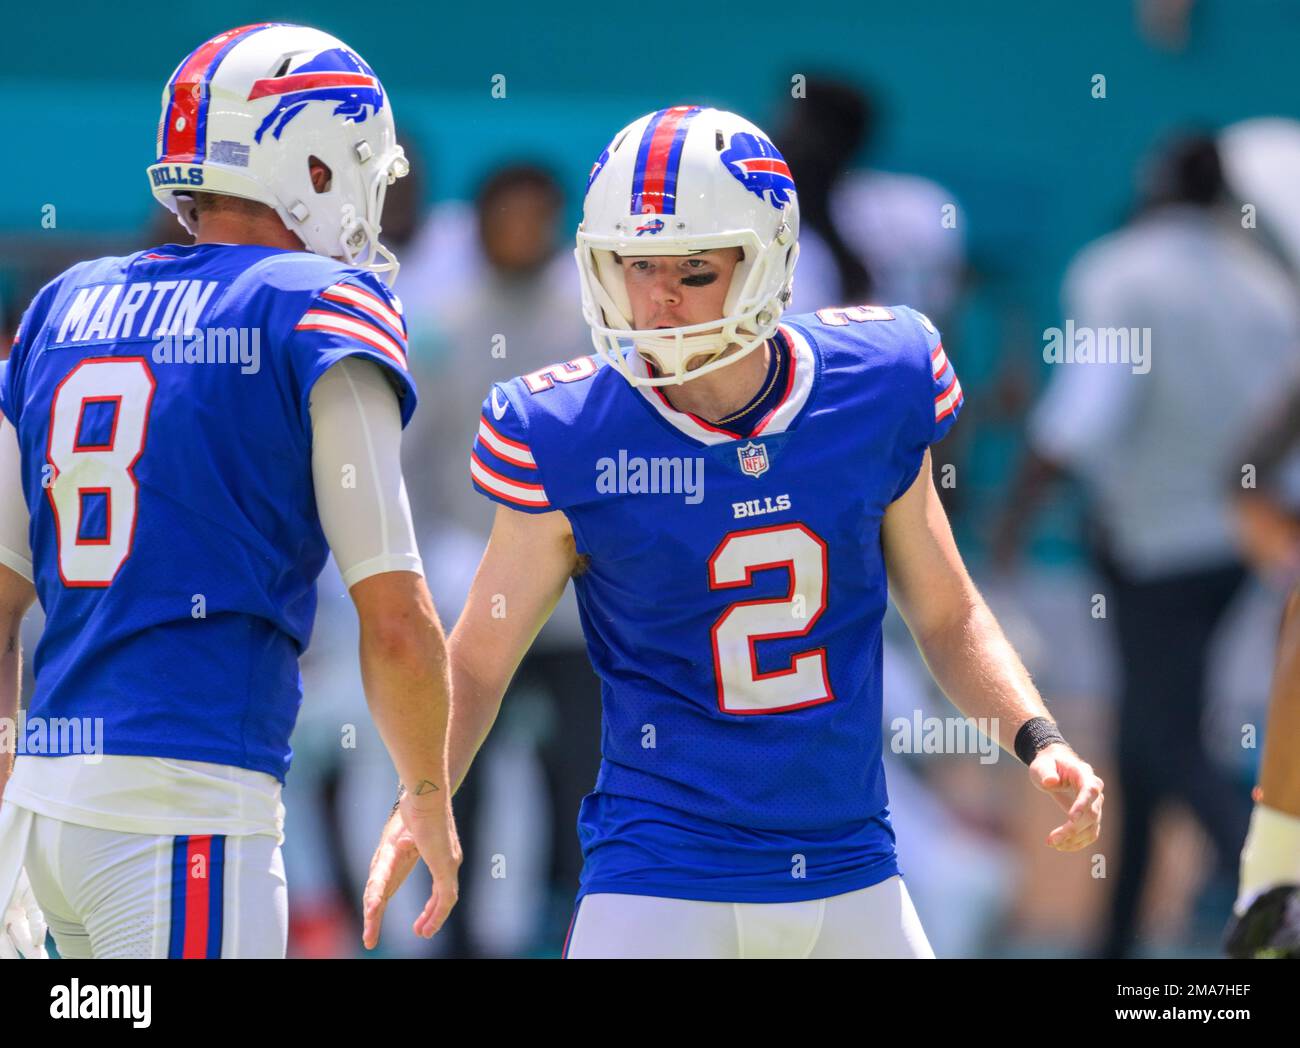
723, 392
223, 228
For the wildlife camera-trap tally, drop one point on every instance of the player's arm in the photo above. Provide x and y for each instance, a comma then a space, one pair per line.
364, 511
970, 657
527, 563
16, 590
1268, 529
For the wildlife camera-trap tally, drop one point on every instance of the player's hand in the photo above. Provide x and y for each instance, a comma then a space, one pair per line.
1073, 784
413, 832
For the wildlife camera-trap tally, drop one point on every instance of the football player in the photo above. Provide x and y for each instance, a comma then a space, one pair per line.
1265, 919
188, 432
730, 493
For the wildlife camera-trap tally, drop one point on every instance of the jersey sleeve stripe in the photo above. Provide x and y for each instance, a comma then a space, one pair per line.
948, 401
503, 487
395, 334
511, 451
367, 303
338, 324
938, 362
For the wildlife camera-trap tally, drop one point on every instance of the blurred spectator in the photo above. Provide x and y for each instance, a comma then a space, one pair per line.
867, 235
1150, 450
447, 255
511, 305
513, 311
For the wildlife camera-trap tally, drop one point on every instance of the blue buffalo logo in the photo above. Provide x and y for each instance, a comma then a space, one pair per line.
650, 227
597, 167
334, 75
758, 167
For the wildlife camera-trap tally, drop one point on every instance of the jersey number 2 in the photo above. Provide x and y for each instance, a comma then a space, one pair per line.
92, 486
804, 682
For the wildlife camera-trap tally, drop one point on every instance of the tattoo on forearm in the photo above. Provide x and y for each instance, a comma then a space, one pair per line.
424, 787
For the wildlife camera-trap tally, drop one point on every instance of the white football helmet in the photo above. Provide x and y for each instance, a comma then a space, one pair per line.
243, 113
675, 182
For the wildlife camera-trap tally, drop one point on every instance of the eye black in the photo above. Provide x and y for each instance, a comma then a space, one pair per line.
700, 279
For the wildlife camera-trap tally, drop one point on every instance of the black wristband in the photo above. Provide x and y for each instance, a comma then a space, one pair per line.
1034, 735
401, 792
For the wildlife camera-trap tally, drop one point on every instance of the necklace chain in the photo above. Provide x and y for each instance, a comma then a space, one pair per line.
776, 374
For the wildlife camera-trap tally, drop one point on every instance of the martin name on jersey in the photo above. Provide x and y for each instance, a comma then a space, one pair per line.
161, 402
737, 634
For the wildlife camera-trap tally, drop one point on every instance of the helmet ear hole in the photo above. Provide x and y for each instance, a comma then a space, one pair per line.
321, 175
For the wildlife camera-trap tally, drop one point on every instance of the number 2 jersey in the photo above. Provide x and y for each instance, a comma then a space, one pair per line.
732, 597
161, 402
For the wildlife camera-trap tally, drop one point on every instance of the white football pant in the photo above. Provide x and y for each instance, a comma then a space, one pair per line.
877, 921
106, 893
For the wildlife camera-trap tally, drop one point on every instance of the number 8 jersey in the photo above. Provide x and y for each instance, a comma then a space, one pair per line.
732, 601
161, 402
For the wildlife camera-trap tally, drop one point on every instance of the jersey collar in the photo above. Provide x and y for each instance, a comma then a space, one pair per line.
799, 385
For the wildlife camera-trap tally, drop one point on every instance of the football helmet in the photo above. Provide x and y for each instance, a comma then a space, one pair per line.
675, 182
242, 114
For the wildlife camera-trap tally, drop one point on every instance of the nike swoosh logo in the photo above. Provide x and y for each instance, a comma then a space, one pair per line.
498, 408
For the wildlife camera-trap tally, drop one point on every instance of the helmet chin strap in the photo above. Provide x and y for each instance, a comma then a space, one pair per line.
691, 345
716, 345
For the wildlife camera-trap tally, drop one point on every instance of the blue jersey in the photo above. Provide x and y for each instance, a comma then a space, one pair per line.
161, 403
732, 600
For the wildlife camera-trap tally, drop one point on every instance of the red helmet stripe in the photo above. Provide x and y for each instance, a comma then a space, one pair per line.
187, 86
656, 166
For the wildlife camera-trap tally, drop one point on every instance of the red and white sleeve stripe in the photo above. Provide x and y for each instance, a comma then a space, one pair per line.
368, 303
949, 397
512, 451
530, 496
358, 314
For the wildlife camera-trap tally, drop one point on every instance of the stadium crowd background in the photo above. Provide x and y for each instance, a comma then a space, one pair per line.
955, 157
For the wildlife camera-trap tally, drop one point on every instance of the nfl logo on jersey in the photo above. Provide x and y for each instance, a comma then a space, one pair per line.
753, 459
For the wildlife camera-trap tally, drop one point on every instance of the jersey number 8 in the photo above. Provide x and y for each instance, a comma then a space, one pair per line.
92, 487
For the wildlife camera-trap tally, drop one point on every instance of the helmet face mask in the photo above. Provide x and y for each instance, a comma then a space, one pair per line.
245, 111
678, 182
